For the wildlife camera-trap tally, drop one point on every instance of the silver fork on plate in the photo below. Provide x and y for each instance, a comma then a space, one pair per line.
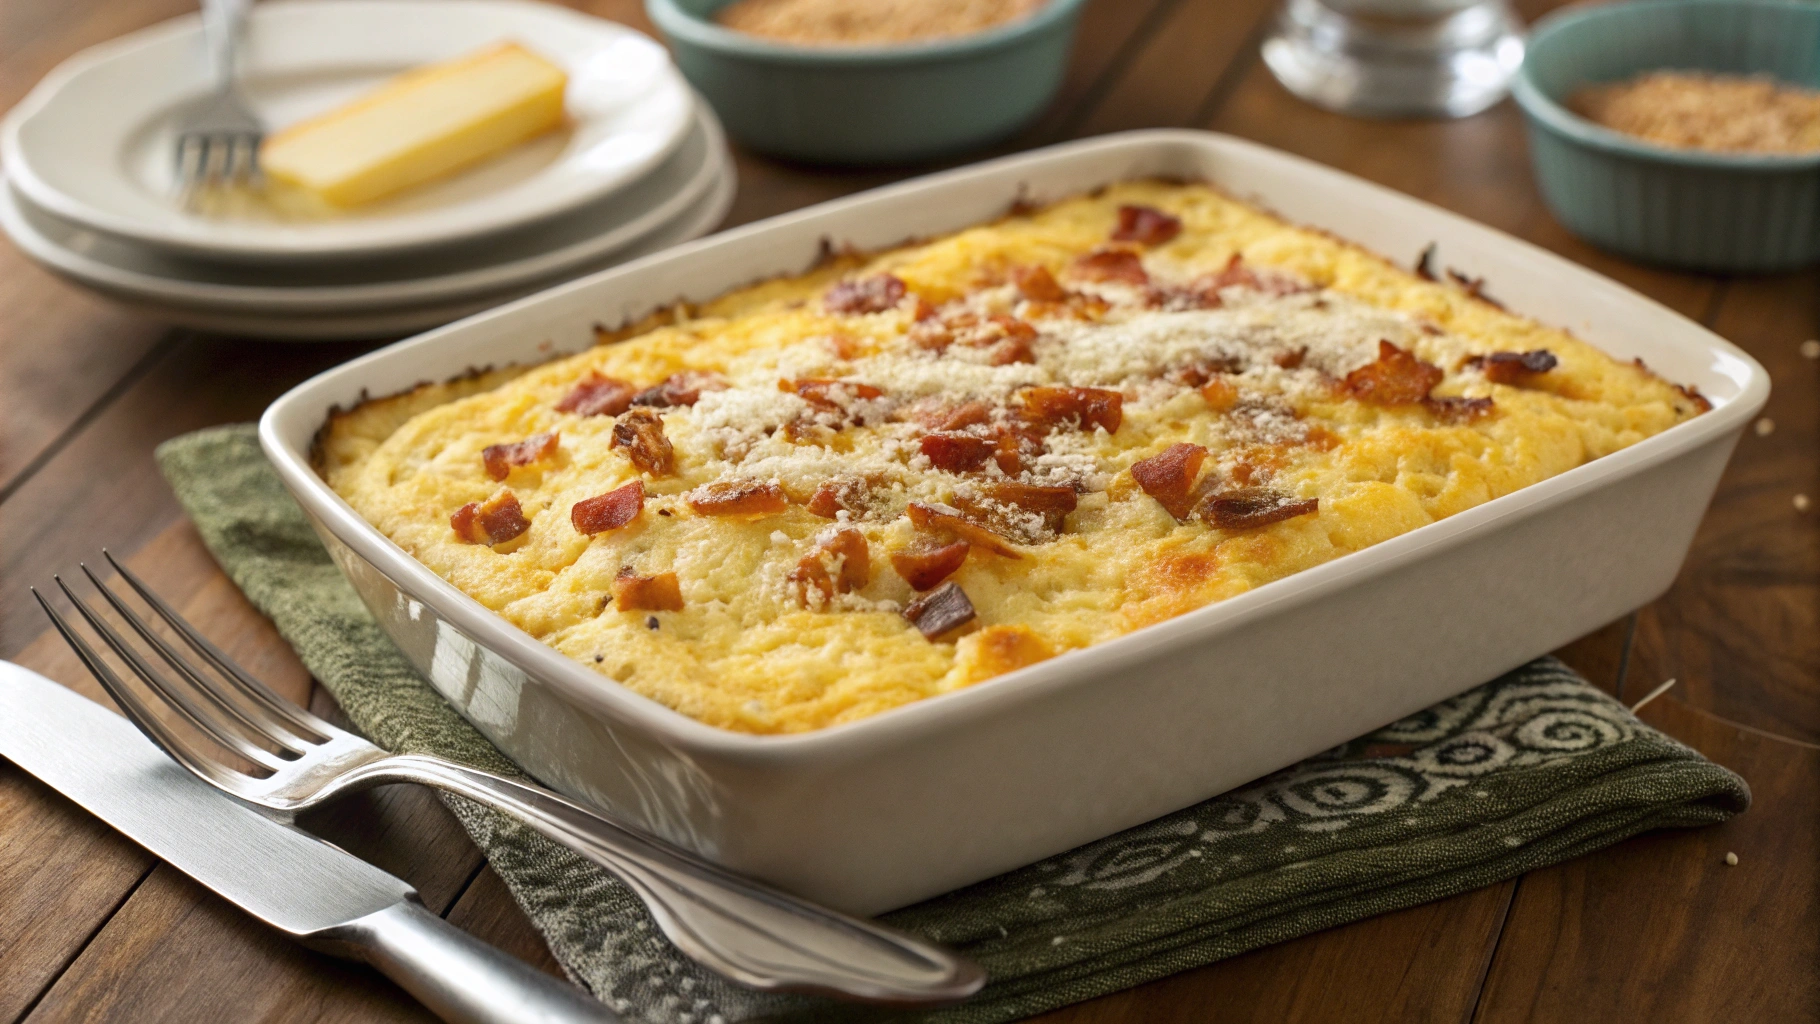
218, 135
745, 930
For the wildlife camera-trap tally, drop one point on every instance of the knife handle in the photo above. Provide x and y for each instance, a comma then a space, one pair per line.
458, 977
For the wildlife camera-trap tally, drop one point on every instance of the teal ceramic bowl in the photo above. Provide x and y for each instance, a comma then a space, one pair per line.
871, 104
1682, 208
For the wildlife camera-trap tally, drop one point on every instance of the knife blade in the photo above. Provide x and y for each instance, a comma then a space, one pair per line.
317, 893
102, 762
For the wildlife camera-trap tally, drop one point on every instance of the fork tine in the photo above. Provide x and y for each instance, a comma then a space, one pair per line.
246, 167
255, 718
312, 728
203, 766
205, 160
173, 695
254, 174
231, 162
186, 163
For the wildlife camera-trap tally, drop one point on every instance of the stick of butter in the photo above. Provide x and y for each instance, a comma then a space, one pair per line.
419, 126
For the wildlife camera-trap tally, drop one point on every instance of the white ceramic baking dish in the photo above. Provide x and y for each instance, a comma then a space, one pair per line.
924, 798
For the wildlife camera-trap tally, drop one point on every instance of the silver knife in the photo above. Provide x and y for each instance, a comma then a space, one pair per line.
326, 898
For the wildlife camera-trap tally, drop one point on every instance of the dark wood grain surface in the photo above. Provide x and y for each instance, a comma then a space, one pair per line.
1656, 929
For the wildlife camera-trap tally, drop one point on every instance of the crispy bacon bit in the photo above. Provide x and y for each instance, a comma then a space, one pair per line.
1397, 378
937, 416
598, 396
1221, 394
1112, 265
1011, 350
1007, 333
641, 433
1203, 370
1474, 287
942, 610
1292, 358
494, 521
1253, 506
1037, 284
1692, 394
635, 593
1169, 477
866, 295
928, 517
682, 388
1145, 225
839, 564
1514, 368
1010, 451
957, 453
826, 394
1052, 503
1237, 275
825, 502
932, 335
1425, 263
1009, 327
1200, 295
1087, 408
608, 511
924, 566
1086, 308
1458, 409
1007, 338
501, 458
836, 496
738, 498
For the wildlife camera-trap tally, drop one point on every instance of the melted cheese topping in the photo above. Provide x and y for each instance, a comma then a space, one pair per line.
752, 650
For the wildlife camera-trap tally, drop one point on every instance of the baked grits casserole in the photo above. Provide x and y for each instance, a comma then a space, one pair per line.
824, 496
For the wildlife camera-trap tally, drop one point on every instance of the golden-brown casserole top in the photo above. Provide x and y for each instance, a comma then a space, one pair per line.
824, 496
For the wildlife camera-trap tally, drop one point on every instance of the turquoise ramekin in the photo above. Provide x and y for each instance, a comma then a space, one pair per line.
871, 104
1676, 207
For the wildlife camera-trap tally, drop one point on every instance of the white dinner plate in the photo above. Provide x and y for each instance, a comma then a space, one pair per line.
526, 255
340, 324
93, 142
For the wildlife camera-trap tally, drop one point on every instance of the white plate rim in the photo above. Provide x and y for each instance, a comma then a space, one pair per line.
309, 299
399, 321
200, 238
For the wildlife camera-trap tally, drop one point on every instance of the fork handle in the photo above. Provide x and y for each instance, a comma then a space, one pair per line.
458, 977
740, 928
222, 21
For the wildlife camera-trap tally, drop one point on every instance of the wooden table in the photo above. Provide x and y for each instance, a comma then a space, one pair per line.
1657, 928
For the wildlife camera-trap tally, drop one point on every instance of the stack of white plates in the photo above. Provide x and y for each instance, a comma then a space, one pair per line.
89, 157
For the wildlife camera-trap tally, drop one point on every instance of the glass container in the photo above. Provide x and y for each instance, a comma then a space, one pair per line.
1396, 58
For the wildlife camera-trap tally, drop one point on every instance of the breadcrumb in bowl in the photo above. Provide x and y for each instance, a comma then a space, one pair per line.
1717, 113
869, 22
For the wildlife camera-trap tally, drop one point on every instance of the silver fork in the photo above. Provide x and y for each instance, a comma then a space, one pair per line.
745, 930
218, 135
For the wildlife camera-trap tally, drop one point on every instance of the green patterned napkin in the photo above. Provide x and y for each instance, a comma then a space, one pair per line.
1529, 769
